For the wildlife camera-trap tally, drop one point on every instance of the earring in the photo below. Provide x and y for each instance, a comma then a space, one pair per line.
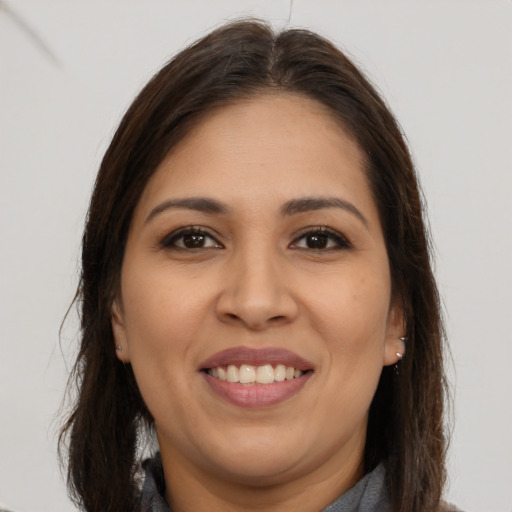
405, 339
396, 365
119, 348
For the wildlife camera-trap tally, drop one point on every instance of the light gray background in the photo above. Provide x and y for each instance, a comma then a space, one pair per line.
445, 67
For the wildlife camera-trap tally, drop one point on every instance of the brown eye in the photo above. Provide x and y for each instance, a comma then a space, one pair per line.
316, 240
190, 238
193, 241
321, 239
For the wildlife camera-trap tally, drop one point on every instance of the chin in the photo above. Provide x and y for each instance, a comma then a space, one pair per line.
260, 471
266, 460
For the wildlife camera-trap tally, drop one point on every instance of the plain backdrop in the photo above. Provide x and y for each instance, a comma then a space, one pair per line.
69, 69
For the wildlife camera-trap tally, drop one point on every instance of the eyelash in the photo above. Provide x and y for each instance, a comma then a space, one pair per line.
169, 242
328, 234
341, 242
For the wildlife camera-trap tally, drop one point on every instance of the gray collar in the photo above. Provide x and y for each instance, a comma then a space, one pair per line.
368, 495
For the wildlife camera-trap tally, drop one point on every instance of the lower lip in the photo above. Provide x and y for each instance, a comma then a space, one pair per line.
256, 395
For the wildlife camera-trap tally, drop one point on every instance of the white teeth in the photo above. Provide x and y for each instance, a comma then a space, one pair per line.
280, 373
249, 374
265, 374
232, 373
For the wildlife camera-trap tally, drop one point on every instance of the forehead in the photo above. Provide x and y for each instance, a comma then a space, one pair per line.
276, 146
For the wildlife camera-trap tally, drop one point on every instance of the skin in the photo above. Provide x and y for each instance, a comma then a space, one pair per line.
259, 281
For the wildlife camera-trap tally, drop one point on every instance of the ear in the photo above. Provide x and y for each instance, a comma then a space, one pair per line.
119, 331
394, 347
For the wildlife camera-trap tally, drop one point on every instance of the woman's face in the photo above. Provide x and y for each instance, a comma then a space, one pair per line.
256, 254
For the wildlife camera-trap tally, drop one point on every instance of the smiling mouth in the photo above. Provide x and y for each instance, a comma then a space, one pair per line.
256, 378
251, 374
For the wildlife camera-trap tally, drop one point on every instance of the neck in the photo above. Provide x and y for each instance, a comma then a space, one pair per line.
190, 488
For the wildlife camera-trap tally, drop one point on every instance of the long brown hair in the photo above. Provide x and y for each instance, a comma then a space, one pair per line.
240, 60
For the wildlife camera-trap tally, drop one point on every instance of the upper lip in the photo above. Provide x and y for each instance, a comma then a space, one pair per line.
256, 357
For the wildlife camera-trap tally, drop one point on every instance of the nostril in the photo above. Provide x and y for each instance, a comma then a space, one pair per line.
276, 319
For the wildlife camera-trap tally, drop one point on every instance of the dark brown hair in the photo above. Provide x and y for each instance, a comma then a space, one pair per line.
240, 60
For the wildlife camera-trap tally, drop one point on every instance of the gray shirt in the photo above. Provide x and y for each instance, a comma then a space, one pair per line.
368, 495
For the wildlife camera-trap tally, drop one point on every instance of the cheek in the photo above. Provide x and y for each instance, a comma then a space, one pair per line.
161, 309
351, 317
352, 310
162, 316
354, 329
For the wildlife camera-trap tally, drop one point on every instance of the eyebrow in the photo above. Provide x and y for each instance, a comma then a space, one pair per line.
200, 204
292, 207
308, 204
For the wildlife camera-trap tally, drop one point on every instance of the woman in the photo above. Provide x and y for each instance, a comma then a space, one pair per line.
256, 287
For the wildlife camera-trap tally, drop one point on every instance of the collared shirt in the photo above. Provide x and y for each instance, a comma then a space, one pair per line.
368, 495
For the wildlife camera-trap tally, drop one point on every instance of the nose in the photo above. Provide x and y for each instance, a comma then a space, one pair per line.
256, 293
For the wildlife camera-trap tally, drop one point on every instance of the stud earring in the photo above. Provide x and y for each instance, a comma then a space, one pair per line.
396, 365
119, 348
405, 339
